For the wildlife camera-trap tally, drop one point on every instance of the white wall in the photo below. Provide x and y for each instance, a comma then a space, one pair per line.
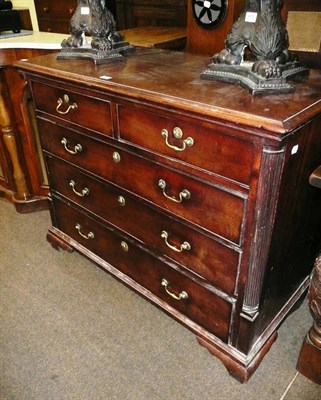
31, 5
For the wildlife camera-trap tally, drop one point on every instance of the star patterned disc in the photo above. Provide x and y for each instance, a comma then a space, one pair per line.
209, 13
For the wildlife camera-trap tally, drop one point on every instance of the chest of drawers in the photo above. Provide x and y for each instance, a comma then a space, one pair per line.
193, 193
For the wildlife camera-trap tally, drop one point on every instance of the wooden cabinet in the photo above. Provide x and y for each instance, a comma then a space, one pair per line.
208, 41
12, 178
193, 193
54, 16
22, 174
135, 13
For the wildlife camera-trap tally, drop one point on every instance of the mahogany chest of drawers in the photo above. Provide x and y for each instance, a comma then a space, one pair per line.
193, 193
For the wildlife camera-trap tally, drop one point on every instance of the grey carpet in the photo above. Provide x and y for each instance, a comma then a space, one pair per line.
69, 331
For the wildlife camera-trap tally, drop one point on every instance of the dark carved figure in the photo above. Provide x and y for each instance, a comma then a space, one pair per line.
261, 29
93, 18
315, 304
260, 33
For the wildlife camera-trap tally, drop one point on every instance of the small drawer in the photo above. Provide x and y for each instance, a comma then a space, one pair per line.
217, 210
184, 295
209, 149
88, 112
54, 25
212, 261
55, 9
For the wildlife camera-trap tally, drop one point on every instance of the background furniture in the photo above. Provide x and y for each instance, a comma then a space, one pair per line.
219, 180
135, 13
22, 174
157, 37
54, 16
9, 153
303, 21
209, 41
309, 361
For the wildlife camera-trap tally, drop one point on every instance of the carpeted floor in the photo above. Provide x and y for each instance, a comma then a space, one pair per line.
69, 331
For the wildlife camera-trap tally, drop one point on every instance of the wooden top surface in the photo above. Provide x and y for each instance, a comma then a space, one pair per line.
172, 79
153, 36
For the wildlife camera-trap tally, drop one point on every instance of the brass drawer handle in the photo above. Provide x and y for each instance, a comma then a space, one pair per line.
184, 194
315, 178
65, 101
77, 148
124, 246
84, 192
181, 296
121, 201
116, 157
183, 247
90, 235
177, 133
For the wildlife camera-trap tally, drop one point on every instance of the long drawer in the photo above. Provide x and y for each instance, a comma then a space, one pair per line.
207, 148
213, 208
89, 112
212, 261
191, 299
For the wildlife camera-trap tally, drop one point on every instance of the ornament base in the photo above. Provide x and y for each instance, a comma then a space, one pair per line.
253, 82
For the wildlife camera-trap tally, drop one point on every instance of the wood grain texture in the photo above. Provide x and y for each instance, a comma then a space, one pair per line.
168, 78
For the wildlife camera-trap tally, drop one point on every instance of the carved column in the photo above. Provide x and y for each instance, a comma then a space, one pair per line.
10, 142
272, 165
309, 362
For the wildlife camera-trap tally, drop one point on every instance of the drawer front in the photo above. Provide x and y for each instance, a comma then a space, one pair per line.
214, 209
205, 148
55, 9
89, 112
53, 25
205, 257
203, 307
